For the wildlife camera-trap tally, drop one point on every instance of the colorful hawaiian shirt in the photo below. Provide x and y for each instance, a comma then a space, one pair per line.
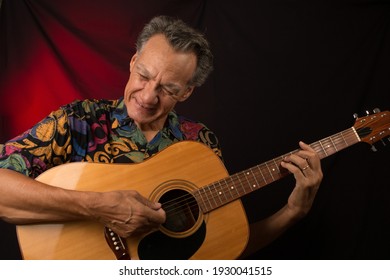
95, 131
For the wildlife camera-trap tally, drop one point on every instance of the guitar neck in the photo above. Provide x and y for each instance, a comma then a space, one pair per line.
242, 183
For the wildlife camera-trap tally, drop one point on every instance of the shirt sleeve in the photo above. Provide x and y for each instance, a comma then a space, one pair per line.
209, 138
197, 131
43, 146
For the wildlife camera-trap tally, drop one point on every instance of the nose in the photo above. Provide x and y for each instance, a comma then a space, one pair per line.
149, 94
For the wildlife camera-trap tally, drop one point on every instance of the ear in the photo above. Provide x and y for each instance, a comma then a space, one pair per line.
133, 59
187, 94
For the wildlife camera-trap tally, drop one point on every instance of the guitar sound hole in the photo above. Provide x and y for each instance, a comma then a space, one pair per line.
181, 208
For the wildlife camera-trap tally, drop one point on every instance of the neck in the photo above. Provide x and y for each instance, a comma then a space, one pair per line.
150, 129
149, 134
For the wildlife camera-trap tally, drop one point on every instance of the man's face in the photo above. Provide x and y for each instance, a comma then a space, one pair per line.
158, 79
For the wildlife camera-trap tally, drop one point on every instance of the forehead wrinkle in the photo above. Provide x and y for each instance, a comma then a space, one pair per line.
142, 68
145, 71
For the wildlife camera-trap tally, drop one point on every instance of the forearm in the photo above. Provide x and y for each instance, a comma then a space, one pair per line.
265, 231
24, 200
306, 167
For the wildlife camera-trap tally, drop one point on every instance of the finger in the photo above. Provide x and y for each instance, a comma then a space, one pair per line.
311, 155
155, 216
305, 146
293, 168
298, 159
305, 168
147, 202
152, 211
151, 204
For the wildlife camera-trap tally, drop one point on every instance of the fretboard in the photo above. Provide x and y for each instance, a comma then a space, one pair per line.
242, 183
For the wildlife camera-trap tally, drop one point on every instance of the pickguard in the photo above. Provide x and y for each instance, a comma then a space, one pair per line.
159, 246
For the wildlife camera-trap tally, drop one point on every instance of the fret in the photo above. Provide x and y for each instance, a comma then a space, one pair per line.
333, 143
256, 185
345, 141
271, 168
240, 184
212, 196
229, 190
356, 134
233, 186
276, 166
203, 196
222, 191
322, 147
246, 173
276, 169
273, 179
328, 146
353, 137
258, 168
218, 193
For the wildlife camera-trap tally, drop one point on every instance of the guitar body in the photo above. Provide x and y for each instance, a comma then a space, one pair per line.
205, 217
180, 169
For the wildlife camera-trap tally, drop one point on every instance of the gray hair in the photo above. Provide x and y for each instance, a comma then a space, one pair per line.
182, 38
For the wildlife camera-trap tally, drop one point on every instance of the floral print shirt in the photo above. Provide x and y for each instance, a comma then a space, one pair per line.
95, 131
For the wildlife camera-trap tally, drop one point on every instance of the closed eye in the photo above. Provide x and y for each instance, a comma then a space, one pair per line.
168, 91
143, 77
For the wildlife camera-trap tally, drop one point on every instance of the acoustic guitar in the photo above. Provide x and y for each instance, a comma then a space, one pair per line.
205, 217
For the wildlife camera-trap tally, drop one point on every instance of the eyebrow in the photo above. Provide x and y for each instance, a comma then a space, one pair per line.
170, 86
143, 69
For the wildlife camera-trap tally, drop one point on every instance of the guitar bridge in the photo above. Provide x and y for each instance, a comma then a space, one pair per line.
117, 244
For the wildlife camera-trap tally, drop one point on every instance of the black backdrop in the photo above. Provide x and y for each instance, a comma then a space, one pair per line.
284, 71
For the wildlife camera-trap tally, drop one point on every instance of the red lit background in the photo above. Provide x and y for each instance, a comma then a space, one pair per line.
57, 51
284, 71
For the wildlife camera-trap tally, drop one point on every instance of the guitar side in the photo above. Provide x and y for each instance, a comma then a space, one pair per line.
227, 229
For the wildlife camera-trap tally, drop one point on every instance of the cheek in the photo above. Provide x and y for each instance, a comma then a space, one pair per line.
129, 88
169, 104
127, 93
133, 85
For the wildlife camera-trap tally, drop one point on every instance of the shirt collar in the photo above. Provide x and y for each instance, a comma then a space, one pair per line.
120, 115
122, 119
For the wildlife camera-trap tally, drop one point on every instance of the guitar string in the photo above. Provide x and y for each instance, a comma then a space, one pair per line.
189, 196
217, 189
209, 192
337, 144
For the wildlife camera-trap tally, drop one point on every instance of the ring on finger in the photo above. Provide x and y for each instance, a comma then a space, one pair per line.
306, 167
